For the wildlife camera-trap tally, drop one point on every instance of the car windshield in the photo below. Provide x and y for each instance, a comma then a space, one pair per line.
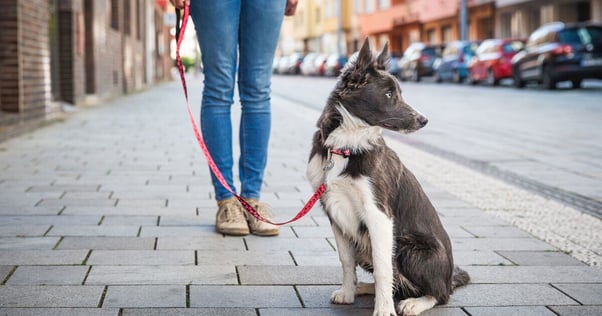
581, 36
512, 47
430, 51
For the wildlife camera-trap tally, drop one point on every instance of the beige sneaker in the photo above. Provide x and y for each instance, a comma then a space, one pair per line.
258, 227
230, 218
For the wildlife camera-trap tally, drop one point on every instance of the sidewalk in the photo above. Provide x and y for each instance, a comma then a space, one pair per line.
111, 213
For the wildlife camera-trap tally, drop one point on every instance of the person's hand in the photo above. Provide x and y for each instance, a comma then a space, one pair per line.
180, 4
291, 7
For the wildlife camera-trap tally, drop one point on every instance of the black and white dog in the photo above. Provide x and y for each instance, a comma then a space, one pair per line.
381, 218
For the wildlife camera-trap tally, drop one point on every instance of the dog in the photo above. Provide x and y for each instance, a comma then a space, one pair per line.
380, 216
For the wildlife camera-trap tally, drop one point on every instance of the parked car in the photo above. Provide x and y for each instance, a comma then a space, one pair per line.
334, 64
320, 65
493, 60
453, 64
307, 65
393, 65
417, 61
558, 52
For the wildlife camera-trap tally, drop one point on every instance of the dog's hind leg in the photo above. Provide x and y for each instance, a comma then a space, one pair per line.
346, 294
414, 306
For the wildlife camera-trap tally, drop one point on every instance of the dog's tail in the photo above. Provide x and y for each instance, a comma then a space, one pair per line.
460, 277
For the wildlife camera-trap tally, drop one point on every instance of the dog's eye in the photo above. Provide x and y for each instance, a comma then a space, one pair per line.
389, 94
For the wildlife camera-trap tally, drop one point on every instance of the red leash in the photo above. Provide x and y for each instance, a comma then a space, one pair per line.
314, 198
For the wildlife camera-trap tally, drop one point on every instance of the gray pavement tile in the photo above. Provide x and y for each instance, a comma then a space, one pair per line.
96, 231
444, 311
282, 275
285, 232
48, 275
5, 270
133, 275
460, 211
142, 203
107, 243
192, 220
64, 188
25, 243
29, 210
315, 311
77, 202
49, 220
534, 274
577, 310
145, 296
457, 232
479, 257
314, 232
243, 296
500, 244
510, 311
189, 311
135, 211
59, 311
586, 294
541, 258
115, 220
178, 231
87, 195
292, 244
238, 258
141, 257
319, 296
200, 243
23, 230
497, 231
42, 257
484, 220
308, 258
50, 296
508, 295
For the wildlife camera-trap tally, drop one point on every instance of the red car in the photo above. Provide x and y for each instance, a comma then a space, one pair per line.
493, 60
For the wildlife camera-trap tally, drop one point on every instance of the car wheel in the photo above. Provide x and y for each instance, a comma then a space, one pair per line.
491, 79
472, 80
415, 76
546, 78
456, 76
576, 84
438, 77
518, 81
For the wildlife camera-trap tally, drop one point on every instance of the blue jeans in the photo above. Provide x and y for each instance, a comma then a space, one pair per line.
248, 29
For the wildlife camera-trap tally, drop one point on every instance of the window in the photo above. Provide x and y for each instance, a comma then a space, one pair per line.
115, 14
356, 6
369, 6
383, 4
126, 18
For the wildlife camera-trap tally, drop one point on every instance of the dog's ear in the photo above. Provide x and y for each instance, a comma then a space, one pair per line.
365, 60
383, 57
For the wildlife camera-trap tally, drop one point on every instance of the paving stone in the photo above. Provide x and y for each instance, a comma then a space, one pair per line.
108, 243
48, 275
64, 188
314, 232
24, 243
134, 275
190, 312
444, 311
291, 244
230, 257
473, 220
77, 202
307, 258
497, 231
100, 231
191, 220
120, 210
319, 296
200, 243
508, 295
540, 258
510, 311
87, 195
50, 296
142, 203
500, 244
243, 296
23, 230
457, 232
577, 310
479, 257
315, 311
42, 257
59, 311
29, 210
586, 294
179, 231
141, 257
146, 296
49, 220
289, 275
528, 274
4, 271
115, 220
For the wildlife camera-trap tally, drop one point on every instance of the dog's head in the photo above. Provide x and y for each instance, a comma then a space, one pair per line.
367, 91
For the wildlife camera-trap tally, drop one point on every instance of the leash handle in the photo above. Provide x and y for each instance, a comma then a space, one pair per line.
214, 169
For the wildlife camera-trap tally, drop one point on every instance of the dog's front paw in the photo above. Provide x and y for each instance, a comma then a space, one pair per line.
342, 296
385, 312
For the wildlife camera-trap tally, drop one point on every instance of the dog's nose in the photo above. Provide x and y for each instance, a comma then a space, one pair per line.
422, 120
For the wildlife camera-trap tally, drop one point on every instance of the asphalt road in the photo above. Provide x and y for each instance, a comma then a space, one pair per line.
545, 141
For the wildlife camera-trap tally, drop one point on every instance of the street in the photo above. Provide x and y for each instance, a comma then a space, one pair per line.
544, 141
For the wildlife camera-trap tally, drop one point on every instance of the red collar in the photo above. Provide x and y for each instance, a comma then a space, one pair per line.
346, 153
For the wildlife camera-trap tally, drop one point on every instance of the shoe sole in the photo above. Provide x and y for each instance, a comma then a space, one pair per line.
233, 232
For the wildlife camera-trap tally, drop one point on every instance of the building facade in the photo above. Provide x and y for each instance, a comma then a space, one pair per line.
76, 52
